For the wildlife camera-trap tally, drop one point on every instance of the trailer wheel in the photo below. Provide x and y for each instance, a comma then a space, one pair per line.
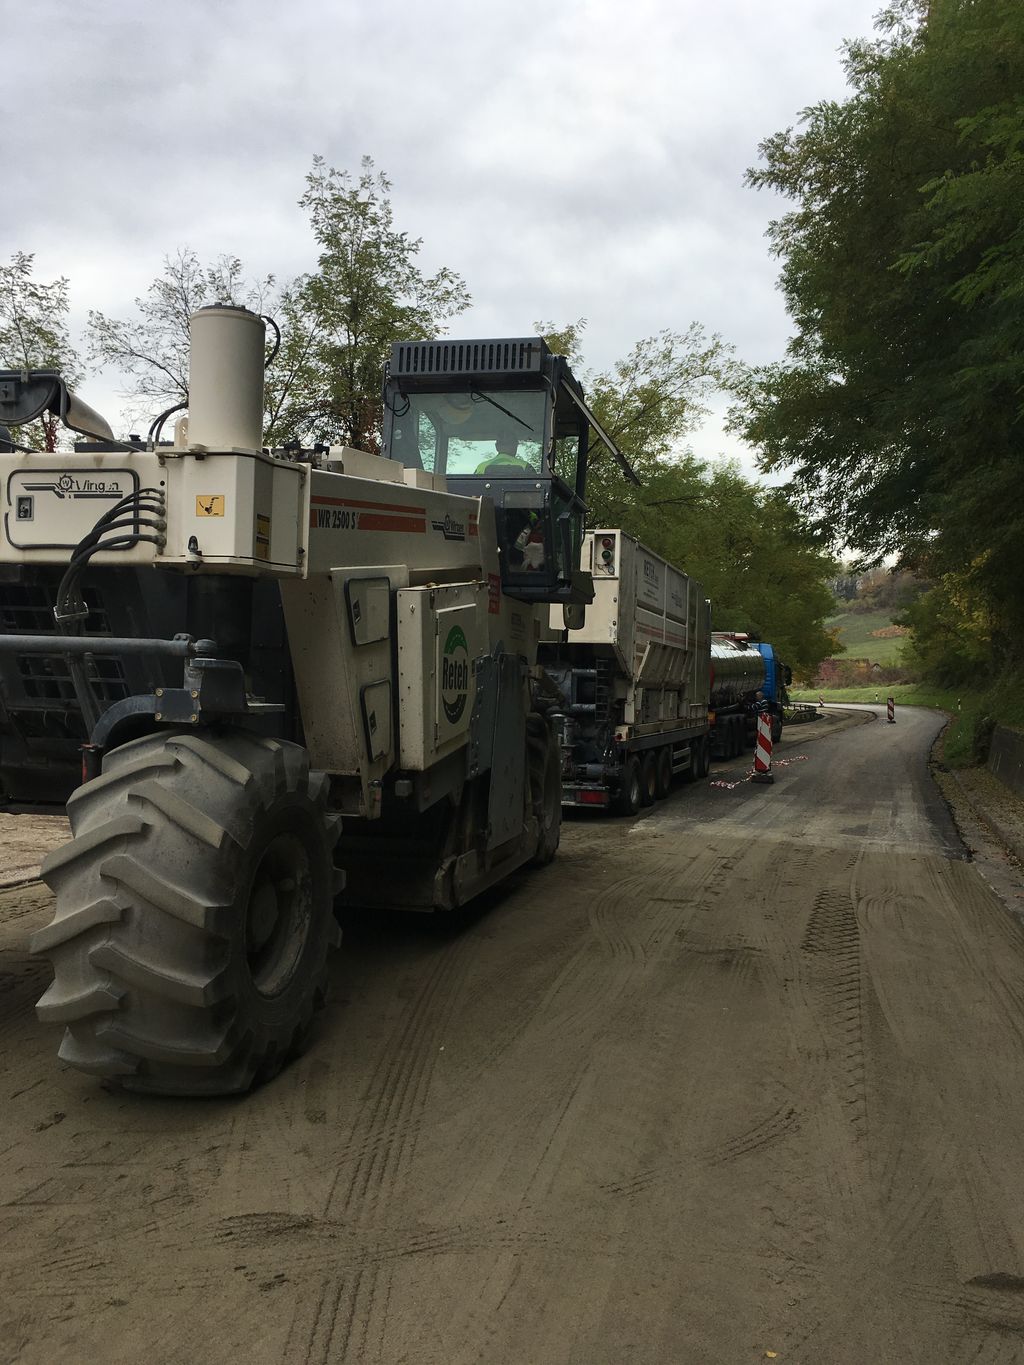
663, 777
194, 913
737, 737
648, 778
545, 787
628, 798
704, 761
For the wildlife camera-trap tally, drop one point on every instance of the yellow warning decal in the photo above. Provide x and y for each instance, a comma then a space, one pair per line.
209, 504
262, 536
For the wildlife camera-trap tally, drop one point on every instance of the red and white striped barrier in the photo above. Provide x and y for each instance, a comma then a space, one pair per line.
890, 710
763, 750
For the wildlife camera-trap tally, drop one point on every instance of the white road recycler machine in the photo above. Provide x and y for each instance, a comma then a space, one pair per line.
262, 680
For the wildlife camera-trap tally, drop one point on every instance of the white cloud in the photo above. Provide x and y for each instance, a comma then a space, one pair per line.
570, 160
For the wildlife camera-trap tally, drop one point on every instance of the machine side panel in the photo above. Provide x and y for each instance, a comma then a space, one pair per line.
442, 631
48, 503
344, 671
364, 521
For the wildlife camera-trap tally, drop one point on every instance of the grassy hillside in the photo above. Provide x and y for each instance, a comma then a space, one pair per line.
855, 633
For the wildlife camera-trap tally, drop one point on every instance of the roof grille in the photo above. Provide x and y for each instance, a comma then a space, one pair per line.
524, 355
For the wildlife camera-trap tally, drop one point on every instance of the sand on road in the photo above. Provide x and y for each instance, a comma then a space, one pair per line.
745, 1075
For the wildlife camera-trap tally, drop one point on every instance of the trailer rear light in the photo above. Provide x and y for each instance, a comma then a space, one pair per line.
592, 798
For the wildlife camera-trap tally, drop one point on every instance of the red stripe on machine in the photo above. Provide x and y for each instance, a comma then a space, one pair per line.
373, 521
355, 514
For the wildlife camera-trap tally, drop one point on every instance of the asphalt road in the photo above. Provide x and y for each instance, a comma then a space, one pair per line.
742, 1079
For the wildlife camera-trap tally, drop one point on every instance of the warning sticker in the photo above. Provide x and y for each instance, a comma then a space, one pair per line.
209, 504
262, 536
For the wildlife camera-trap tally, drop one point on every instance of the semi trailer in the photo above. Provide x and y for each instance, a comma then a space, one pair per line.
634, 678
263, 679
648, 692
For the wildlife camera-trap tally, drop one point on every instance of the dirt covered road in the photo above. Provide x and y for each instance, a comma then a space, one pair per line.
744, 1076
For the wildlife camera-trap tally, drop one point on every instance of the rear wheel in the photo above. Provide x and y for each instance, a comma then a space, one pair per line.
739, 737
194, 913
648, 778
628, 798
705, 757
700, 760
663, 779
545, 787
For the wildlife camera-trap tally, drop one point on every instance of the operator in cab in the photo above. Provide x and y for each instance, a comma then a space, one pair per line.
506, 458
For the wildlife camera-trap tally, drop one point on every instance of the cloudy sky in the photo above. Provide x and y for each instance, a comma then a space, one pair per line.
569, 159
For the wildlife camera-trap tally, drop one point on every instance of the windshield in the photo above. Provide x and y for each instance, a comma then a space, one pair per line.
475, 432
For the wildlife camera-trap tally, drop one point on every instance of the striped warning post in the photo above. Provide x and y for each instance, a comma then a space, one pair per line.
890, 710
763, 750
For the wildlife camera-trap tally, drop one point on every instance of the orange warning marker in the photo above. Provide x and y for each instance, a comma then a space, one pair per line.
763, 750
890, 710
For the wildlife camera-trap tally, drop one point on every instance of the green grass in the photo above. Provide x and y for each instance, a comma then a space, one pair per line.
906, 694
855, 634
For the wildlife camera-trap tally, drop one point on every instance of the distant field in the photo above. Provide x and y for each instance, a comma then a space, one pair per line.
855, 633
906, 694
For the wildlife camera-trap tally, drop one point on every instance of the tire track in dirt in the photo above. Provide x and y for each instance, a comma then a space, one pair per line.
347, 1316
902, 1162
636, 937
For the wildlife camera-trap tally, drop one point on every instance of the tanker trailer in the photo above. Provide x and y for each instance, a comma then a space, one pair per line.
740, 667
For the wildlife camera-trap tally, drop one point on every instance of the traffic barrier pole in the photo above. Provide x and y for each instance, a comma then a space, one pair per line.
890, 710
821, 700
763, 750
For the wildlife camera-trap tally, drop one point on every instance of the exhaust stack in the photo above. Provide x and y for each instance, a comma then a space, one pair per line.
225, 379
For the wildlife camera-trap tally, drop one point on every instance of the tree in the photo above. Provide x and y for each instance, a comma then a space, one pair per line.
900, 407
34, 336
764, 571
339, 321
152, 349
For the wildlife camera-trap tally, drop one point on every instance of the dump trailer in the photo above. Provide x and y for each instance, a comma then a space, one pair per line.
633, 677
740, 668
261, 679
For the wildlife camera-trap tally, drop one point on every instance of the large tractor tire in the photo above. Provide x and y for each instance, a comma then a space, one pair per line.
545, 772
195, 911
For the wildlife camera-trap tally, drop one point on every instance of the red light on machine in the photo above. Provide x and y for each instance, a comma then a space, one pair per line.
592, 798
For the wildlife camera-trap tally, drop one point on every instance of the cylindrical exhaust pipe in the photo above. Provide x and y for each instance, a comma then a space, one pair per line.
225, 379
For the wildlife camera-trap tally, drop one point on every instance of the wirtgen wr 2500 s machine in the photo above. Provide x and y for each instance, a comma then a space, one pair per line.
257, 676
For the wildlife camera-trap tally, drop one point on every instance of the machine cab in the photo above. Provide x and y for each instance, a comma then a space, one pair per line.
504, 420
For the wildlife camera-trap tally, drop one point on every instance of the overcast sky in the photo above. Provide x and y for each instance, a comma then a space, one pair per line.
569, 159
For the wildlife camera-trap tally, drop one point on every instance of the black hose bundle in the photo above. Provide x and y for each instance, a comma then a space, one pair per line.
127, 516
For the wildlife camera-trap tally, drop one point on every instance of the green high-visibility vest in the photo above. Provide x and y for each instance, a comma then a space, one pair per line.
501, 458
